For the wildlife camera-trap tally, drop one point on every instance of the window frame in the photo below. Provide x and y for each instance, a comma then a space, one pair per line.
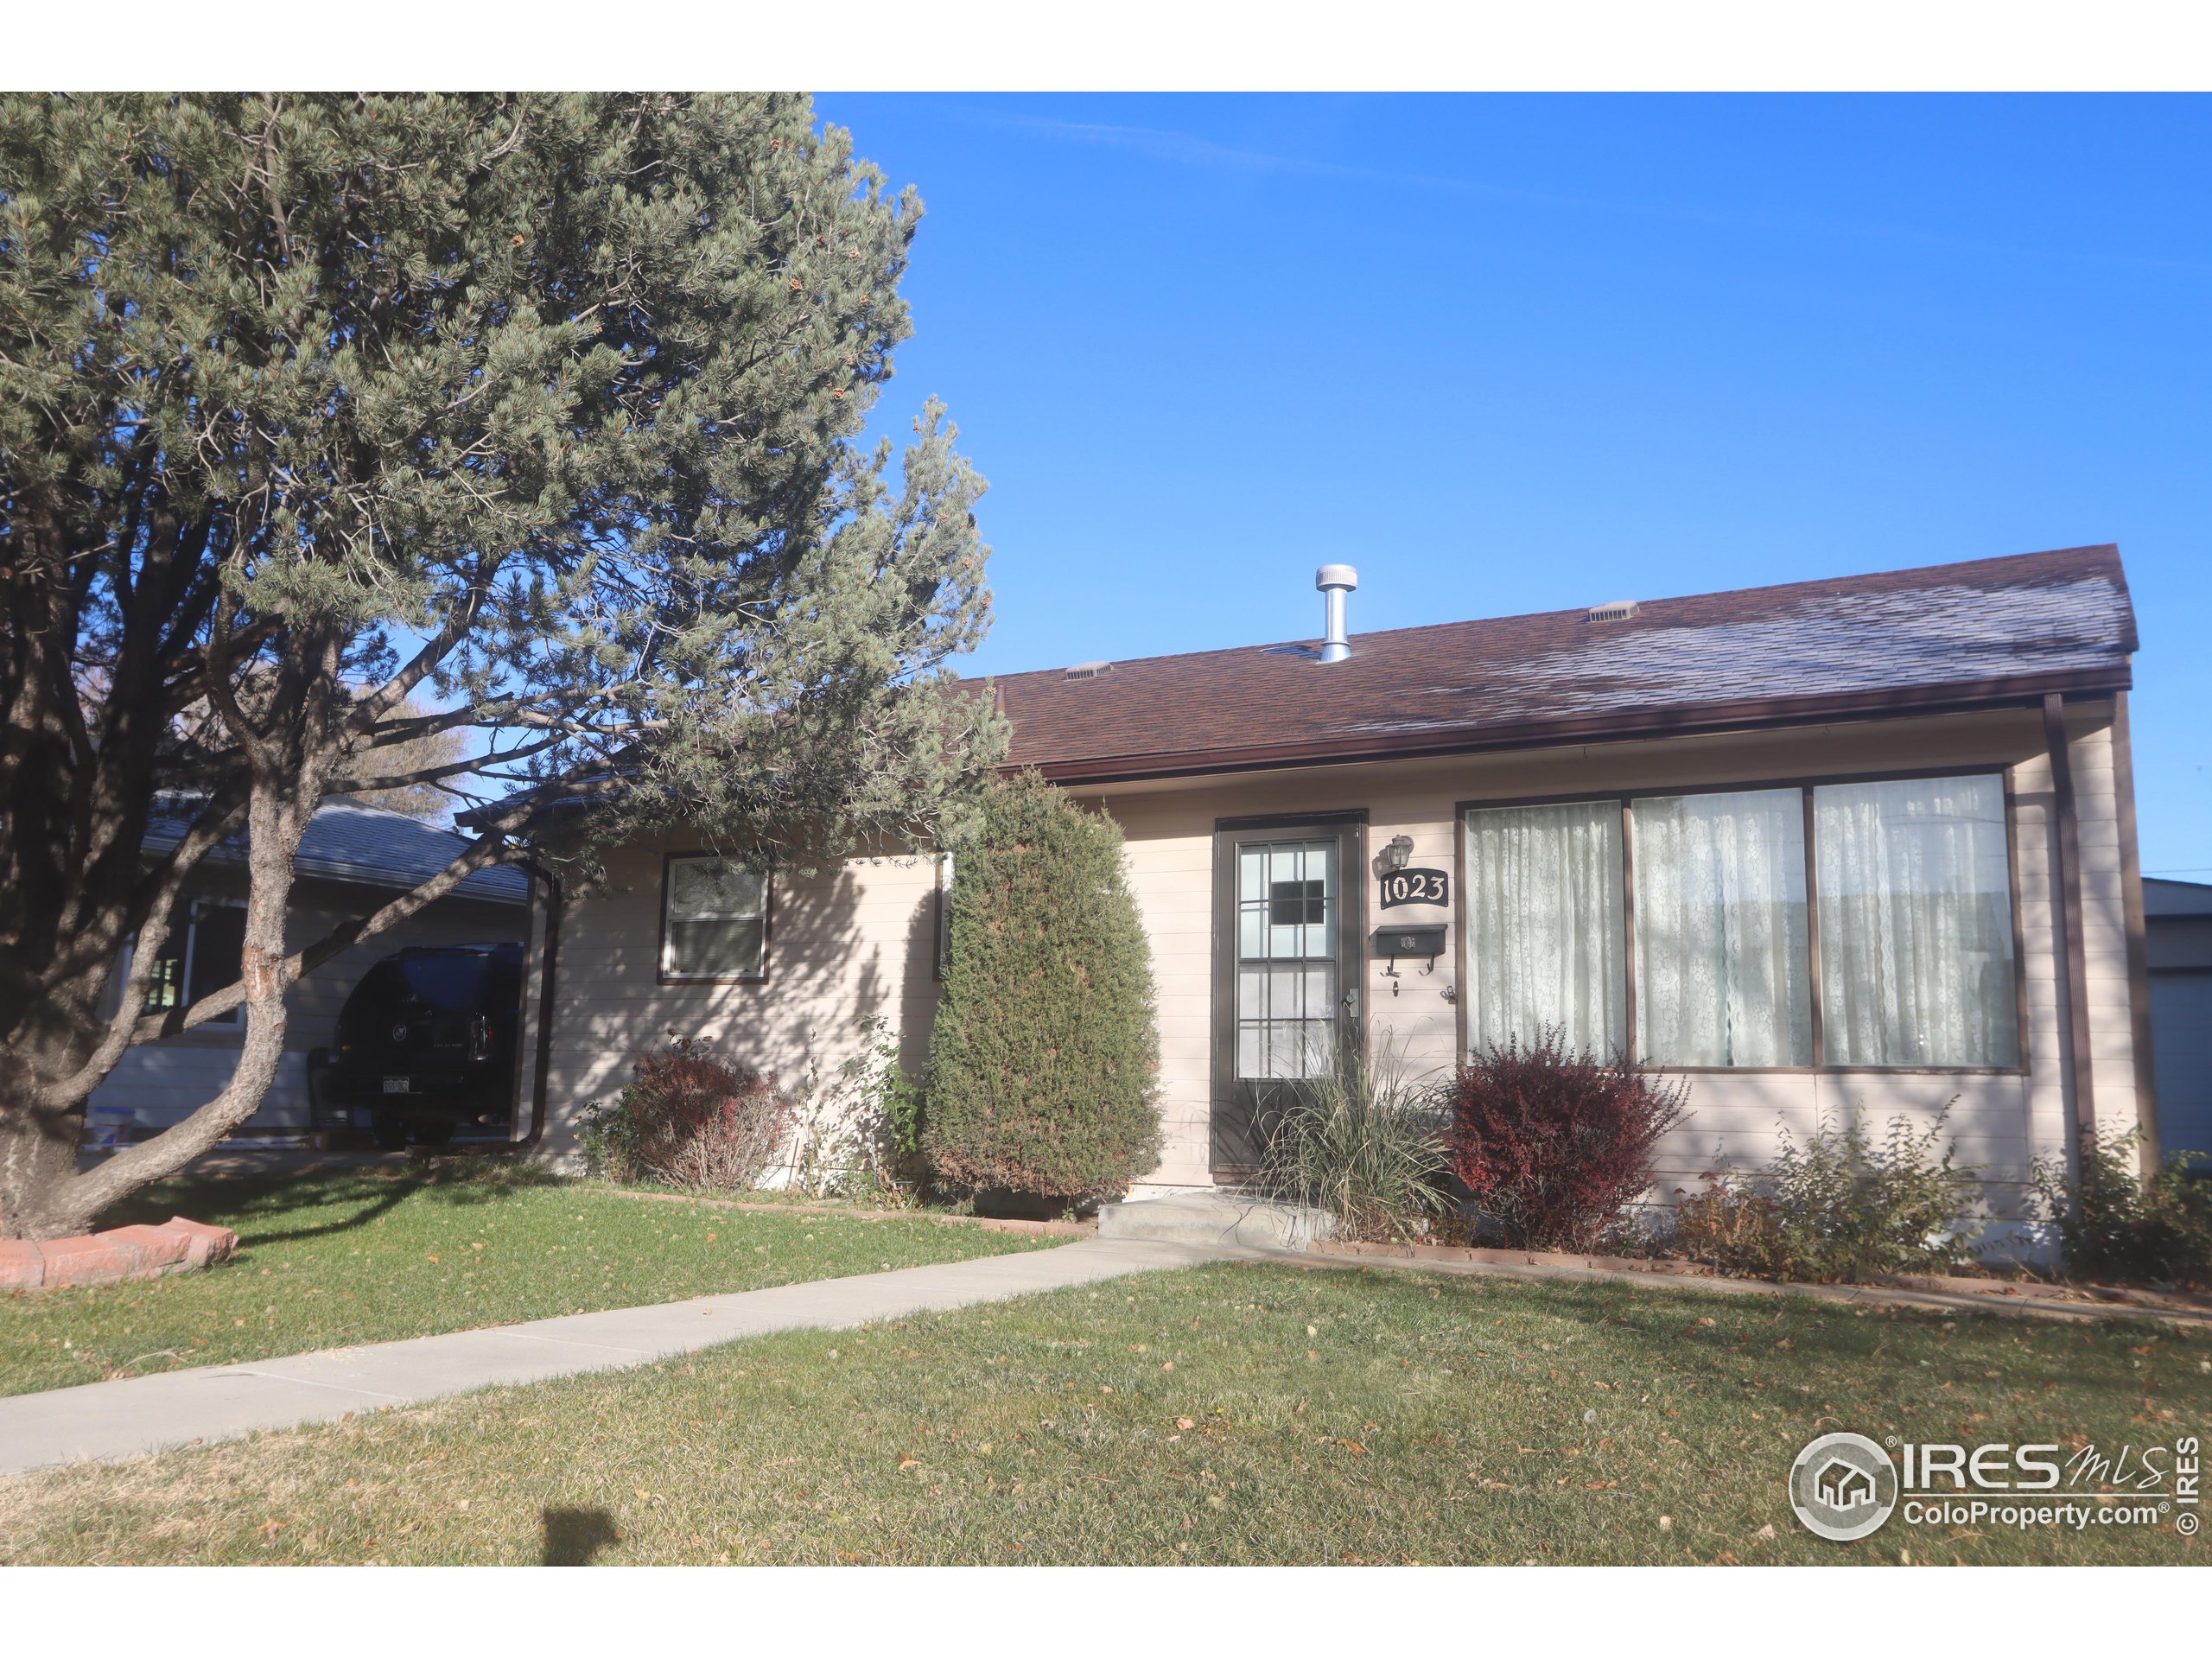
758, 976
1804, 785
196, 912
229, 1017
941, 961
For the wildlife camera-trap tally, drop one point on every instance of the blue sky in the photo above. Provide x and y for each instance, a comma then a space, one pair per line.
1515, 354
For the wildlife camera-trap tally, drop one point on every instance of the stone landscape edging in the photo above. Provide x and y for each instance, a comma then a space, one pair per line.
120, 1253
989, 1224
2004, 1296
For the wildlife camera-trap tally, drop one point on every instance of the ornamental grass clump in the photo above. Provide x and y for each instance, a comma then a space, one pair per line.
688, 1119
1044, 1056
1839, 1207
1554, 1145
1363, 1144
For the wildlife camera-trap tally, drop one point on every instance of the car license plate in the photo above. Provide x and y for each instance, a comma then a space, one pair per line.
395, 1085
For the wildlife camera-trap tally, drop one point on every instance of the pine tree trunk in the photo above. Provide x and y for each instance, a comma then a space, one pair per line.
38, 1156
41, 1194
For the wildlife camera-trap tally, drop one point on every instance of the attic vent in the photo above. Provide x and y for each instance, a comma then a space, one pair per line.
1613, 610
1088, 671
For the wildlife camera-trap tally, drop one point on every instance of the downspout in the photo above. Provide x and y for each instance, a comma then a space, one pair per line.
549, 956
2067, 911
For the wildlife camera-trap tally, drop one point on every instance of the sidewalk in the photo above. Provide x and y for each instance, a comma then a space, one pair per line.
149, 1413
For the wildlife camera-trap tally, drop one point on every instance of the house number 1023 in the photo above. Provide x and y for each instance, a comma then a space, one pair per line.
1416, 887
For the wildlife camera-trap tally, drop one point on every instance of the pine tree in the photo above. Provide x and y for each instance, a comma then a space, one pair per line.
1046, 1055
543, 411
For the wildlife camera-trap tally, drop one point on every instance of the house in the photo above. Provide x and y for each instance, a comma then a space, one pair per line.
1862, 846
2178, 918
353, 859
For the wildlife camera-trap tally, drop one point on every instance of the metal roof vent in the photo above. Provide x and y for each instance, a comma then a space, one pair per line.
1088, 671
1335, 580
1613, 610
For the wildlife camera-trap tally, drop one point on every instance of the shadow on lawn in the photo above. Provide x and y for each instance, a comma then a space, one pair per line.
573, 1537
315, 1203
258, 1210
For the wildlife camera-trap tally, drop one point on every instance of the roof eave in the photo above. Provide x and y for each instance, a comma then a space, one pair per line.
1680, 719
324, 870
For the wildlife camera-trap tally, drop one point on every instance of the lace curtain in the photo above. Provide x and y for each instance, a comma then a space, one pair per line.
1915, 923
1544, 902
1720, 937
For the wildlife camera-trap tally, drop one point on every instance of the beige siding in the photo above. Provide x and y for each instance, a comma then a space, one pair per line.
855, 940
2104, 924
860, 939
2000, 1121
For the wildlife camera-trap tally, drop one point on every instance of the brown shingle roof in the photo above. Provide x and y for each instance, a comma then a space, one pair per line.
1944, 635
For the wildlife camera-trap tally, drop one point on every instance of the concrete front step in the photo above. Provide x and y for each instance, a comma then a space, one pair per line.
1217, 1219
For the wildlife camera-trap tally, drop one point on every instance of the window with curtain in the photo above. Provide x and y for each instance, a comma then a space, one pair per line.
1722, 969
714, 920
1916, 913
1544, 939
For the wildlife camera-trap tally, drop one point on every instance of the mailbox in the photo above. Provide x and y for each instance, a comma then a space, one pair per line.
1424, 940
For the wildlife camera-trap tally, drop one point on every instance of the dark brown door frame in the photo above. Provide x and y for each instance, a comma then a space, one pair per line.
1349, 825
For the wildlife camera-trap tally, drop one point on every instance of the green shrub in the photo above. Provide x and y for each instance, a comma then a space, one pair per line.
1362, 1144
1839, 1207
1044, 1056
610, 1142
860, 1126
2112, 1224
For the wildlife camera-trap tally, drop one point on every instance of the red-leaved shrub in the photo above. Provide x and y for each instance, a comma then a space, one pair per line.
692, 1120
1555, 1145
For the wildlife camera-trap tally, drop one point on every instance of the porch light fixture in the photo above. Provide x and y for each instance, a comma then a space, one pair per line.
1397, 854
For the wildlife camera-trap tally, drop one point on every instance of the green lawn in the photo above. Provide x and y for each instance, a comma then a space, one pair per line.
330, 1260
1230, 1413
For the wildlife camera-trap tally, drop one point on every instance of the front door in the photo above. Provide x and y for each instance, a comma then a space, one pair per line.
1287, 914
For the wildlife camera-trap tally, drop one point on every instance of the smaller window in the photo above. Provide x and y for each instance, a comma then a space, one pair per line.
218, 955
165, 973
196, 958
714, 920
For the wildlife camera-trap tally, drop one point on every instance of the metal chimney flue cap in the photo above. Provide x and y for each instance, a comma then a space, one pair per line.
1336, 575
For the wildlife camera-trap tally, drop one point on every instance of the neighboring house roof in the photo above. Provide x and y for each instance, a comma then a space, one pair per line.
2165, 897
348, 841
1951, 635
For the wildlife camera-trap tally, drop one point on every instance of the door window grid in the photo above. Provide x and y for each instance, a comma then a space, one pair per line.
1287, 909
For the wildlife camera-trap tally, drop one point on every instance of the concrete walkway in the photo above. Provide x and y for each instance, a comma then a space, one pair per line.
217, 1403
